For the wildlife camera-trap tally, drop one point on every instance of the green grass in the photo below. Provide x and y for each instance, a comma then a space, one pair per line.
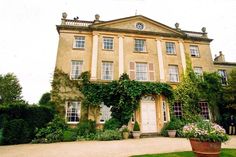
224, 153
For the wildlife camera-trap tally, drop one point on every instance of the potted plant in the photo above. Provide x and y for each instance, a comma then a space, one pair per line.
136, 130
125, 131
171, 128
205, 138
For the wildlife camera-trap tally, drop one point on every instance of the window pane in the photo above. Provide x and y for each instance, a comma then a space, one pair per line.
141, 72
178, 110
76, 69
140, 45
198, 71
204, 109
173, 73
223, 76
194, 51
164, 110
107, 70
108, 43
79, 42
105, 113
73, 111
170, 48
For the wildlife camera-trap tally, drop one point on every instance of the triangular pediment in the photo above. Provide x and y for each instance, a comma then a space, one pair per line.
130, 23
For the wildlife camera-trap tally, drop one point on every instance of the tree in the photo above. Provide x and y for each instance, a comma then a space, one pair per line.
230, 91
10, 89
45, 99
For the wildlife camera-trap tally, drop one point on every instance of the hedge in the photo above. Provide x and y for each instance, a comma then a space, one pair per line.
34, 116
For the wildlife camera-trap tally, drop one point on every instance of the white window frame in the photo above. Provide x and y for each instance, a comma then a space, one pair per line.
164, 112
105, 113
76, 69
76, 111
108, 43
194, 51
198, 71
170, 48
173, 73
223, 75
144, 71
79, 42
110, 72
139, 45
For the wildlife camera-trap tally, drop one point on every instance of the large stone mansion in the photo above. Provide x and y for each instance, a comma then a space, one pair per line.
141, 47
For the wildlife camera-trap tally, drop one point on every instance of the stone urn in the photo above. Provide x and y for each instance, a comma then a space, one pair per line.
125, 135
171, 133
136, 134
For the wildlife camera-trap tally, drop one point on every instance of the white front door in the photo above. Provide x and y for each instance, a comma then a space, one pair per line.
148, 116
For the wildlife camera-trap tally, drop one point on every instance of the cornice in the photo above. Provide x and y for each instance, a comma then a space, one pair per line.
107, 29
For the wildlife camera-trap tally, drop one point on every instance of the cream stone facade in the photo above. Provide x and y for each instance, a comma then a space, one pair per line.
141, 47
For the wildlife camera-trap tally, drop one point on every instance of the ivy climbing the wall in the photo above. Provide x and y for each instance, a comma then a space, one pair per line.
123, 95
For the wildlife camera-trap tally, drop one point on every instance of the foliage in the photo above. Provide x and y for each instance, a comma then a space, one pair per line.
205, 131
45, 99
53, 132
69, 135
122, 95
136, 126
63, 89
86, 127
16, 131
10, 89
193, 89
34, 116
1, 137
230, 91
112, 124
124, 128
109, 135
175, 124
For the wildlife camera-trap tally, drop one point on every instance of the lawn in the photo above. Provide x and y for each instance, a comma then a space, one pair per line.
224, 153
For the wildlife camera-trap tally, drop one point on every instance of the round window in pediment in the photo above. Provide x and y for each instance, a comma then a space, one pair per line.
139, 26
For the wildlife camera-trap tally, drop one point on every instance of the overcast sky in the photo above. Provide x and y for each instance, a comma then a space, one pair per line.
29, 40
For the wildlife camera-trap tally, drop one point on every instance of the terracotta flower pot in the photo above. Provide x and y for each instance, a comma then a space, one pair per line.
205, 149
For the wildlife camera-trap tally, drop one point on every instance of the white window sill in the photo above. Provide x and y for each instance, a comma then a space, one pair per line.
72, 122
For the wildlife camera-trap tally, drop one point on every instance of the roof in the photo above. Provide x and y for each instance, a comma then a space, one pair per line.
102, 26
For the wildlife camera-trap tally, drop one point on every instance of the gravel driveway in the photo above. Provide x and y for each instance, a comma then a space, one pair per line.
123, 148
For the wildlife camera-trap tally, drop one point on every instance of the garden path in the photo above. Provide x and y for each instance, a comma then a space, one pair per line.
123, 148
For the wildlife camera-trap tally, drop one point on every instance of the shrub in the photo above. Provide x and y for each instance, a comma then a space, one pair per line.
69, 135
112, 124
86, 127
136, 126
0, 136
109, 135
174, 124
16, 131
53, 132
35, 116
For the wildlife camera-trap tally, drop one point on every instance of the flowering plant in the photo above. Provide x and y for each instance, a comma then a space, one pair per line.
124, 128
205, 131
